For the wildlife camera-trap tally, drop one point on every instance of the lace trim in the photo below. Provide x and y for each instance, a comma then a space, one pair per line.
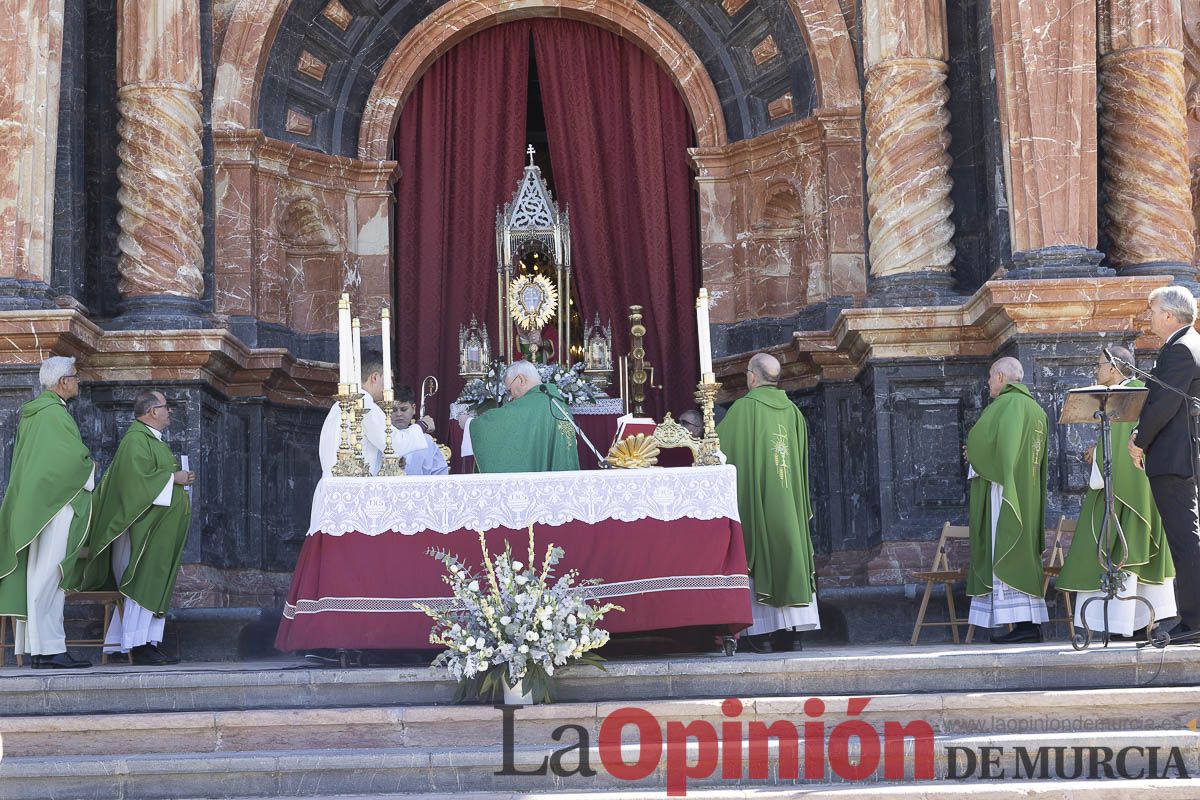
443, 504
606, 591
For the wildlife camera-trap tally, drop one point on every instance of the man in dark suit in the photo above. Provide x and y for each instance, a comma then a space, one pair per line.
1164, 443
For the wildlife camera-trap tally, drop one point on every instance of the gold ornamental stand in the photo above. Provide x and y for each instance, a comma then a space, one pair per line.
392, 465
710, 446
349, 458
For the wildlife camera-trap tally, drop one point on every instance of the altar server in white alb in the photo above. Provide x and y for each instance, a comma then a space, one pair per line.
404, 441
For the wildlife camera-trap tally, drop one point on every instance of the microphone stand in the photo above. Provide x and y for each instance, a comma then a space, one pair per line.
1193, 405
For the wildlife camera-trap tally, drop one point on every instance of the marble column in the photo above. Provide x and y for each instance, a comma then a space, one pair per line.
1144, 134
1045, 59
908, 159
161, 194
31, 33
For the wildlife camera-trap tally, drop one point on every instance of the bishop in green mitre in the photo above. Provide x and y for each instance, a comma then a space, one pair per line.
44, 517
532, 432
1149, 571
1006, 450
765, 436
141, 525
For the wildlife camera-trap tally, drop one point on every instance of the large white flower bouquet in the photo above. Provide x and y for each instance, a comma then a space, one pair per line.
487, 392
513, 623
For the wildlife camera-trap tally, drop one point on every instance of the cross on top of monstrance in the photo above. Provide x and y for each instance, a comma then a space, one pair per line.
533, 274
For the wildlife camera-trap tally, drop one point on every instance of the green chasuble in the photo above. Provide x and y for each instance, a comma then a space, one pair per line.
765, 436
141, 468
50, 467
530, 434
1007, 446
1133, 506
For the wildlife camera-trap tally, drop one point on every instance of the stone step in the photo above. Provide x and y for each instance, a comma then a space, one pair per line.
383, 771
947, 714
833, 670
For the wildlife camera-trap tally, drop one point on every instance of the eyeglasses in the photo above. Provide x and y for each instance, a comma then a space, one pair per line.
164, 405
74, 375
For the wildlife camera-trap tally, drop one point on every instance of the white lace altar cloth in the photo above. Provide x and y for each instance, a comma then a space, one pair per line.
447, 503
602, 406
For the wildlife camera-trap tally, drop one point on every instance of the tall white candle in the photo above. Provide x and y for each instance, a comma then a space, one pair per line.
356, 347
703, 334
344, 359
385, 328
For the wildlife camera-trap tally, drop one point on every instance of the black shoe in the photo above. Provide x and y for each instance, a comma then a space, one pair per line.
1022, 633
759, 643
147, 655
786, 641
58, 661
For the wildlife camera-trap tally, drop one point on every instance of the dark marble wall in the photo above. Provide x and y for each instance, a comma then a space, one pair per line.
256, 463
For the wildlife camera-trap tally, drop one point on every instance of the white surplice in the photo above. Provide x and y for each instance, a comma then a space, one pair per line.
1005, 605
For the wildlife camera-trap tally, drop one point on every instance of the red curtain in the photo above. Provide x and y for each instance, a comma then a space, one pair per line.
460, 143
619, 134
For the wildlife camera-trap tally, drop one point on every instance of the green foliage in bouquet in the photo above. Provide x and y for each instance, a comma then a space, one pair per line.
513, 622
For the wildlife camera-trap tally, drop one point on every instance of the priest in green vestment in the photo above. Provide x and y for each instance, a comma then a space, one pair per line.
765, 436
1149, 571
142, 516
532, 432
1006, 451
44, 517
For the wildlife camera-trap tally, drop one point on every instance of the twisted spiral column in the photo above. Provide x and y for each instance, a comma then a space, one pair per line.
161, 192
908, 167
1145, 143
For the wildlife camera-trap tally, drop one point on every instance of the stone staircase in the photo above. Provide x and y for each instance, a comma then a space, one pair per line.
276, 729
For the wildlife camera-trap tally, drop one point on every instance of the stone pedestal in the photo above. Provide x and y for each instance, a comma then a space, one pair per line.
1065, 261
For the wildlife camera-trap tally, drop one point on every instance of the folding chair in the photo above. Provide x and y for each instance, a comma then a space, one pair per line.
942, 572
9, 624
1052, 564
113, 601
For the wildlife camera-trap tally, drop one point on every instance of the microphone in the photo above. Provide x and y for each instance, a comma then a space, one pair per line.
1113, 361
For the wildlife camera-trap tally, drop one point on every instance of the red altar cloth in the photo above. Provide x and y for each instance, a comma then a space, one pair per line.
356, 591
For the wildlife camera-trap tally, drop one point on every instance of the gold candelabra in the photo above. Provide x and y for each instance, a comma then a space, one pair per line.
639, 367
709, 453
392, 465
349, 458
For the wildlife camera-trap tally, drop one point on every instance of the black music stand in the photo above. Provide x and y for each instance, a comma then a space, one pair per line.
1105, 405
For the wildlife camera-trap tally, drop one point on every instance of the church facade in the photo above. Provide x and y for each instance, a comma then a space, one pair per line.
888, 194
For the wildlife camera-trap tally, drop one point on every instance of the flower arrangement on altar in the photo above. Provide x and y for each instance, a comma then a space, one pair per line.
487, 392
511, 625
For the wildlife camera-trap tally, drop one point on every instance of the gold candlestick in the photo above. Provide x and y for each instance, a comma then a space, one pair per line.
357, 412
392, 465
709, 453
347, 465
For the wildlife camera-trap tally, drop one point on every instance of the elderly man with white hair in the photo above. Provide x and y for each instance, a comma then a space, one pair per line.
1006, 451
532, 432
1167, 445
44, 517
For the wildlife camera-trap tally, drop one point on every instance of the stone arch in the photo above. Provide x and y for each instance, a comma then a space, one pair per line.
831, 52
460, 19
249, 37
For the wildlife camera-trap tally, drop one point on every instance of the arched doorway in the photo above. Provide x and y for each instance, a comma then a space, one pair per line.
617, 134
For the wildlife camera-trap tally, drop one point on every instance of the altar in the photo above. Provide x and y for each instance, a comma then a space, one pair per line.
667, 544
